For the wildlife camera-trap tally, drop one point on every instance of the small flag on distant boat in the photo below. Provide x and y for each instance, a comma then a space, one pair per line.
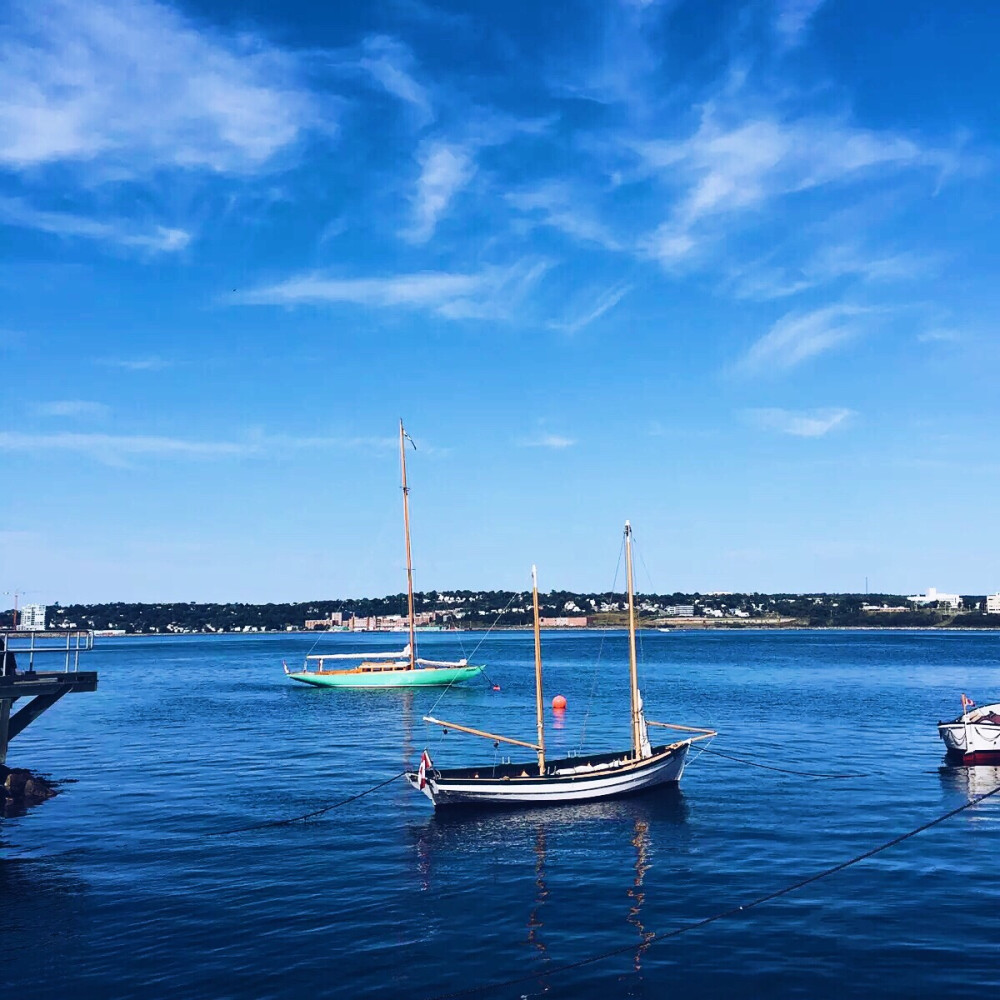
425, 762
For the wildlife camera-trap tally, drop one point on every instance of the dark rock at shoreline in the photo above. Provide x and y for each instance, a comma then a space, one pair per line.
19, 788
38, 789
17, 778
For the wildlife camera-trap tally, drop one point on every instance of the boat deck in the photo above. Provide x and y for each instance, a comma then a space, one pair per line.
567, 767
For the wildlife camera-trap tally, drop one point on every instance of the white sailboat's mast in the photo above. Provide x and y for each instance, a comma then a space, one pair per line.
539, 707
406, 529
633, 669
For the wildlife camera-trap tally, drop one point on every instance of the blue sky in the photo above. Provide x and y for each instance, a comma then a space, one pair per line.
725, 268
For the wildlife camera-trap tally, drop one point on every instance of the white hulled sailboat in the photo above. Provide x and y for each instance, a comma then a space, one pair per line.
573, 779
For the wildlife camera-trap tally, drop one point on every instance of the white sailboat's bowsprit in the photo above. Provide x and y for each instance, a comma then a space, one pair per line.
573, 779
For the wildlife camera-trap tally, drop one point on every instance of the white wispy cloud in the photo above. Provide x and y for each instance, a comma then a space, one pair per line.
792, 18
151, 364
120, 449
604, 303
158, 239
555, 441
115, 448
135, 84
941, 335
800, 423
391, 64
798, 336
261, 441
737, 161
765, 280
71, 408
492, 292
557, 205
445, 168
620, 68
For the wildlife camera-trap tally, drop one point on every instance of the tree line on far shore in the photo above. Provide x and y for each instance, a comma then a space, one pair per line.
472, 609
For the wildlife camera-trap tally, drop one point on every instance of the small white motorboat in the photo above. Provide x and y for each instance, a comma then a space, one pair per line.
974, 737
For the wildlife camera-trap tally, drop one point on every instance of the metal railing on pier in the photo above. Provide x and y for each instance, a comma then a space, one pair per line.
29, 643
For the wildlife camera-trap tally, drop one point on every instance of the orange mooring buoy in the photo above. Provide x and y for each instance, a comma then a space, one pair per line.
558, 703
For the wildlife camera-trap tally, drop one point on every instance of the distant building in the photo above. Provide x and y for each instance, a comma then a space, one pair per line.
335, 620
933, 597
883, 609
564, 621
32, 617
993, 604
391, 623
679, 611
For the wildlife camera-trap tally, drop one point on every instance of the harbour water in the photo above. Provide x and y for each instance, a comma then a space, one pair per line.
124, 886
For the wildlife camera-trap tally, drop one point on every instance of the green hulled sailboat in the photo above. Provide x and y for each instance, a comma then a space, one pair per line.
387, 670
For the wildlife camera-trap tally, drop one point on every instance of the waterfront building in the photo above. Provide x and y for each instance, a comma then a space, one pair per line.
993, 604
391, 623
335, 620
32, 618
934, 597
679, 611
564, 621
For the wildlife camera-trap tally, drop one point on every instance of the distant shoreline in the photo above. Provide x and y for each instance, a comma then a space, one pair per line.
590, 628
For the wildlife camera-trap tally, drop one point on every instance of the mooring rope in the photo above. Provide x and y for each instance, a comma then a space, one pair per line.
721, 915
782, 770
308, 815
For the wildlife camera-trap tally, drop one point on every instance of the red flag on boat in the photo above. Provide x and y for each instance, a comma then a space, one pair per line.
967, 703
425, 763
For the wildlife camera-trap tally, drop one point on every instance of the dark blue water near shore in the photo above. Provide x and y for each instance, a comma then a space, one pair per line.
117, 887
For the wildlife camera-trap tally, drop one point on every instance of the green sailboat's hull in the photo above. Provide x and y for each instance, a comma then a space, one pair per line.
420, 677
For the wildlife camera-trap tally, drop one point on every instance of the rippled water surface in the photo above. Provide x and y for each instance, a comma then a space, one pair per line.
120, 886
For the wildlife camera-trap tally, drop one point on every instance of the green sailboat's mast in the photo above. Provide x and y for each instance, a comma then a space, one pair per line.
633, 669
409, 560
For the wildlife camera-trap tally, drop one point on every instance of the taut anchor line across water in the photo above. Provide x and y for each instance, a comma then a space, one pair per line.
732, 911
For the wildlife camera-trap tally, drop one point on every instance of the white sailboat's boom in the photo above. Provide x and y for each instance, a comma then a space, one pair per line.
358, 656
480, 732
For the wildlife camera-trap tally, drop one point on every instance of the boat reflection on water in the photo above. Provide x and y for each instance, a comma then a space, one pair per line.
639, 828
637, 892
534, 939
970, 781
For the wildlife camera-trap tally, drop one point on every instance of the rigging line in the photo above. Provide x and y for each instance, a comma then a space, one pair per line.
513, 597
472, 654
732, 911
600, 651
308, 815
782, 770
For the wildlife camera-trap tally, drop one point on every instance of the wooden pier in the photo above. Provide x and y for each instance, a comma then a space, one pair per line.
19, 677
